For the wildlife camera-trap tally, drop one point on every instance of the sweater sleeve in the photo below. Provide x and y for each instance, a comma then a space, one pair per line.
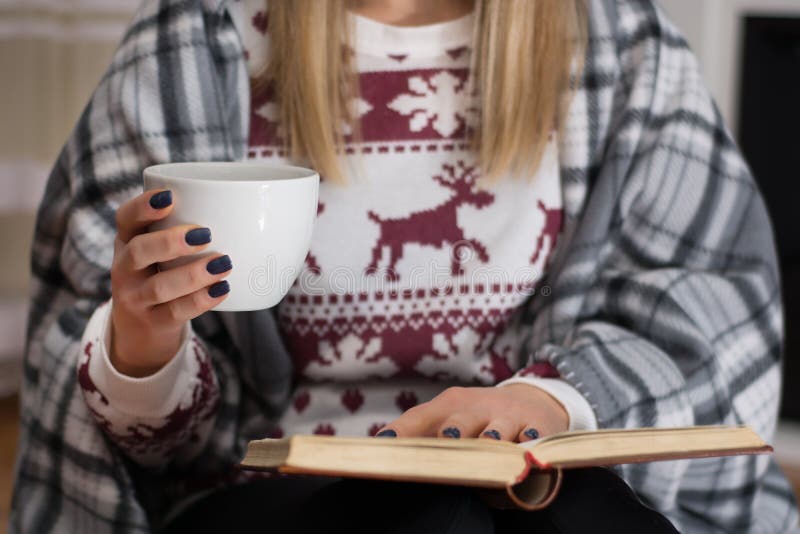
665, 307
150, 418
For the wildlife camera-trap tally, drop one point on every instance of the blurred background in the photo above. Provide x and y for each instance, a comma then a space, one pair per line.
53, 52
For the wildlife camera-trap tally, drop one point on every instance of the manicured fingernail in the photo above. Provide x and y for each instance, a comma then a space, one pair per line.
161, 200
451, 432
532, 433
494, 434
219, 265
388, 433
198, 236
219, 289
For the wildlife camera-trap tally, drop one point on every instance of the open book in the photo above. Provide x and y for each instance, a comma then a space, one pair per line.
526, 475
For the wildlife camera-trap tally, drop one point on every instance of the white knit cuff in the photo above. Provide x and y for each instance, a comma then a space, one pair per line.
580, 413
156, 395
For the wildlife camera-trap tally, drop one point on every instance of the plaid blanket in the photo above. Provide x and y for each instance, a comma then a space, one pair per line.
663, 306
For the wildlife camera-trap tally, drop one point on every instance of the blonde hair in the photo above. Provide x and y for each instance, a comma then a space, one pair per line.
523, 60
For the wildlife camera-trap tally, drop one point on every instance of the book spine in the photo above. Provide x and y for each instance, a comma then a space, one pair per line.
534, 488
536, 491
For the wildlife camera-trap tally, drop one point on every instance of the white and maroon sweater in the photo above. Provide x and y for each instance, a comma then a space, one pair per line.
414, 272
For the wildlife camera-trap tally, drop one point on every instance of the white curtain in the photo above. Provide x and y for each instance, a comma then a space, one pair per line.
52, 53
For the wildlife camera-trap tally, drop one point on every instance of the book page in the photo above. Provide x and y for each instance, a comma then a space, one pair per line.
609, 447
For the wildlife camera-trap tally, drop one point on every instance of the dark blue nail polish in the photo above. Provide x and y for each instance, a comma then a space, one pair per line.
388, 433
219, 289
161, 200
494, 434
198, 236
451, 432
219, 265
532, 433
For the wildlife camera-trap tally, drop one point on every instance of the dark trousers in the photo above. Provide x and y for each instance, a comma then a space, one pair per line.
590, 501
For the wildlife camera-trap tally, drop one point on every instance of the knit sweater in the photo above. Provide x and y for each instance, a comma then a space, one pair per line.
664, 307
414, 270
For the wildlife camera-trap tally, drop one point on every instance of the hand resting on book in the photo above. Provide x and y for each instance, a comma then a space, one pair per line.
515, 412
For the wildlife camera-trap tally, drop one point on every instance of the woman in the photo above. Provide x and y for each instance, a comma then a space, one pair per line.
461, 148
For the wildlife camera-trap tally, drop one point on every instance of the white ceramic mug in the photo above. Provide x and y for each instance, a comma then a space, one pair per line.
260, 215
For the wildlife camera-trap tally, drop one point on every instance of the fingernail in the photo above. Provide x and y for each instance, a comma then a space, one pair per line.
494, 434
388, 433
219, 289
532, 433
161, 200
198, 236
451, 432
219, 265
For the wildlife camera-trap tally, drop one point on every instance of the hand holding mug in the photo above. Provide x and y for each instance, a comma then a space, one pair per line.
151, 308
163, 275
